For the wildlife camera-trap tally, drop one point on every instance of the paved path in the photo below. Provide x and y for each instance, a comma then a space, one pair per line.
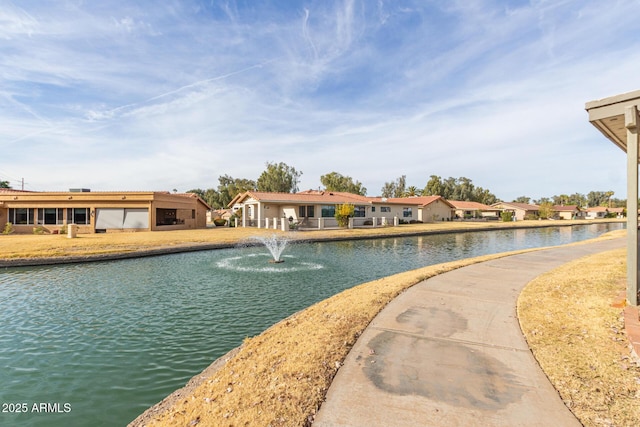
449, 352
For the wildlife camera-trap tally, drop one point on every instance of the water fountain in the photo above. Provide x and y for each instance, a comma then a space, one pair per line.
275, 244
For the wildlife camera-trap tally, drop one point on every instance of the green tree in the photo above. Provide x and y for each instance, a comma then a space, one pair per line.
522, 199
343, 213
228, 188
335, 181
545, 210
434, 187
411, 191
279, 178
396, 188
4, 184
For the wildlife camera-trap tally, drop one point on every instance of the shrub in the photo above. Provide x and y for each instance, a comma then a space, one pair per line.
8, 228
506, 216
220, 222
343, 213
39, 230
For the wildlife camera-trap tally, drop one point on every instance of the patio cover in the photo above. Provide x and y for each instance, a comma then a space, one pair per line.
617, 118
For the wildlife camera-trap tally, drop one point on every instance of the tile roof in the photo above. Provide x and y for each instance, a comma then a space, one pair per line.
467, 205
565, 208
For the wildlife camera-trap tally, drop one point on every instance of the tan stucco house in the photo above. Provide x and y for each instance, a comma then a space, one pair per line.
313, 209
95, 212
520, 211
568, 212
476, 210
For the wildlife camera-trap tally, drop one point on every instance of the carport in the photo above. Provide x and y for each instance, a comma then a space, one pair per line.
617, 118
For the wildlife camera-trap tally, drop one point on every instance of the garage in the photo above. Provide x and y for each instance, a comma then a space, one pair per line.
117, 218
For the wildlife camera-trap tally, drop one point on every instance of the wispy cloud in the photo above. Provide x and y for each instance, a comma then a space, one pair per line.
174, 94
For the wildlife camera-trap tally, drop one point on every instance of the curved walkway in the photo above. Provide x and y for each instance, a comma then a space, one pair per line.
449, 352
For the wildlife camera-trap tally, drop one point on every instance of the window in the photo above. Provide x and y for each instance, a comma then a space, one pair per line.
50, 216
386, 209
193, 214
407, 213
21, 216
78, 216
328, 211
305, 211
360, 211
373, 208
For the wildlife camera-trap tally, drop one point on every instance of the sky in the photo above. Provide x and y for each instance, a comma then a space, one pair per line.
150, 95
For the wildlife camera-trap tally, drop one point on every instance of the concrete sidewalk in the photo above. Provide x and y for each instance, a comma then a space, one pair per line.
449, 352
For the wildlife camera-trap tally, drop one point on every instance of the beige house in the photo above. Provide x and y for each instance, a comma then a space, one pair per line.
520, 211
313, 209
95, 212
568, 212
475, 210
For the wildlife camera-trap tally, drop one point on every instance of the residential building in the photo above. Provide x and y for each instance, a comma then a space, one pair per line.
568, 212
97, 211
520, 211
316, 209
474, 210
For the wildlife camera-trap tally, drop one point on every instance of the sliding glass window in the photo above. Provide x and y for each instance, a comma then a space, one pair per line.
78, 216
50, 216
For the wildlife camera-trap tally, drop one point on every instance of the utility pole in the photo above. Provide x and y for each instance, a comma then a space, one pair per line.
22, 184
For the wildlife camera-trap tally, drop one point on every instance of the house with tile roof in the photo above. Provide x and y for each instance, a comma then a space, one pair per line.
101, 211
603, 212
314, 209
474, 210
568, 212
520, 211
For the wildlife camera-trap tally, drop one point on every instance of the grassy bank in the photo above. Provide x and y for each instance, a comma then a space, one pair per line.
280, 377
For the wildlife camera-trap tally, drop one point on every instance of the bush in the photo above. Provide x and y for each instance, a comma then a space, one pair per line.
343, 213
506, 216
220, 222
8, 228
39, 230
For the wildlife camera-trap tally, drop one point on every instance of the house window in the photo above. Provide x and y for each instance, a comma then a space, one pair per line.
21, 216
386, 209
328, 211
360, 211
373, 209
193, 214
78, 216
407, 213
306, 211
50, 216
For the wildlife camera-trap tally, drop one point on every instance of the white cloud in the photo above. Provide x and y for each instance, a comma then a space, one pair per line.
163, 96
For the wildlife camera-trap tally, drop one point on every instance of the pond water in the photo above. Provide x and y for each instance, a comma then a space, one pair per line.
98, 343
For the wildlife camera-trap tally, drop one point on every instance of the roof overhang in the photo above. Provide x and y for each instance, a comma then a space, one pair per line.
608, 116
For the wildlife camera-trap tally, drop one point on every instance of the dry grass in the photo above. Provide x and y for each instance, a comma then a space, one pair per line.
577, 336
280, 377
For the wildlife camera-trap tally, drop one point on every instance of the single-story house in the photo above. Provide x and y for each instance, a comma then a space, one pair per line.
520, 211
466, 210
568, 212
316, 209
98, 211
415, 208
603, 211
218, 214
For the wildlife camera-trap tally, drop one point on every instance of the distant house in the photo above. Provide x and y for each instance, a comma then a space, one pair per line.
467, 210
597, 212
520, 211
316, 209
98, 211
568, 212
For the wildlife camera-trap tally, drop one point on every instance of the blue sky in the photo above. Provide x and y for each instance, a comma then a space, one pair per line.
150, 95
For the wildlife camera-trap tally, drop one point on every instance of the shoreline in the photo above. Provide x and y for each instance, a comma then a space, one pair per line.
296, 238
